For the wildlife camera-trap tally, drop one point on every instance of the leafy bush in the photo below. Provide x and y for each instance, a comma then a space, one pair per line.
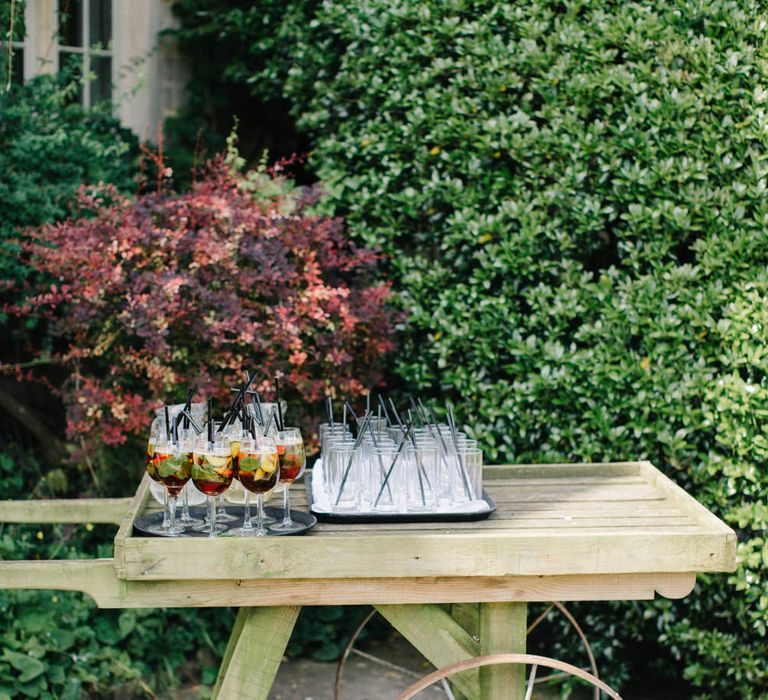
58, 644
572, 196
51, 146
154, 294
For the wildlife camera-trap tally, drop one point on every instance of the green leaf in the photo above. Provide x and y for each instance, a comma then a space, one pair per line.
30, 668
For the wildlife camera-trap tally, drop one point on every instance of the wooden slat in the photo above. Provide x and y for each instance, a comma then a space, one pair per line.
523, 521
138, 503
72, 510
254, 652
681, 498
502, 630
407, 554
438, 637
97, 578
553, 471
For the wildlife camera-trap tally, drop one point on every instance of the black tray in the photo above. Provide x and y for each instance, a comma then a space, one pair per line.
306, 520
414, 517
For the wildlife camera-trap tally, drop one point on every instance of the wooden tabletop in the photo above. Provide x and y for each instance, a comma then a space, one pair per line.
598, 523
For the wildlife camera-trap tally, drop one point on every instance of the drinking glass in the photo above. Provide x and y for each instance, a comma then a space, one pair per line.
231, 435
387, 485
258, 472
328, 432
468, 479
292, 460
186, 445
212, 473
173, 468
333, 441
156, 434
421, 475
345, 465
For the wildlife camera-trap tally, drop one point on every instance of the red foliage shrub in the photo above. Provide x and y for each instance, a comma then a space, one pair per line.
165, 290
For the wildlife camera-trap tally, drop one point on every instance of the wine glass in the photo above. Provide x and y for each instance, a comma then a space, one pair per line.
186, 445
212, 473
232, 435
292, 460
173, 467
155, 436
258, 472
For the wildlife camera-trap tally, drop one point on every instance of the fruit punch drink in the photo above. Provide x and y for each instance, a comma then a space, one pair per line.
213, 470
257, 471
292, 460
172, 469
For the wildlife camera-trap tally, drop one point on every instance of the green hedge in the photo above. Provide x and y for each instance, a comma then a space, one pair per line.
573, 198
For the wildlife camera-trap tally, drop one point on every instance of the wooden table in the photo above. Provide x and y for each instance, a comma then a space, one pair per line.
611, 531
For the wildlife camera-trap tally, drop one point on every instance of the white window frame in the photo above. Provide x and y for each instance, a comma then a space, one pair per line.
15, 46
86, 50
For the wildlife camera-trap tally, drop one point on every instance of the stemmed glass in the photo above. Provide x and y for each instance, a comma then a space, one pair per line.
155, 437
173, 468
212, 473
258, 472
231, 435
186, 445
292, 460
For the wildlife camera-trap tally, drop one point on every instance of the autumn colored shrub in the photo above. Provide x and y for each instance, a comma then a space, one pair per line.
155, 293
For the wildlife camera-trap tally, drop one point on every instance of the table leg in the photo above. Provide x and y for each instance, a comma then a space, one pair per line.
254, 653
502, 629
438, 637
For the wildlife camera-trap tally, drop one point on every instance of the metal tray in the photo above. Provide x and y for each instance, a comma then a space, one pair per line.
306, 520
415, 517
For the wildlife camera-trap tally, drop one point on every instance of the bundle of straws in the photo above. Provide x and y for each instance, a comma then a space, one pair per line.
395, 461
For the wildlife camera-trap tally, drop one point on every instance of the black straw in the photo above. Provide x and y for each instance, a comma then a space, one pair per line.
269, 423
415, 409
376, 444
444, 451
384, 407
210, 421
329, 410
392, 466
167, 424
189, 419
175, 429
280, 424
455, 436
232, 411
348, 406
419, 466
397, 415
359, 439
257, 401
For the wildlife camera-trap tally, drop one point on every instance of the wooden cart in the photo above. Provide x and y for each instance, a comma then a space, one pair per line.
612, 531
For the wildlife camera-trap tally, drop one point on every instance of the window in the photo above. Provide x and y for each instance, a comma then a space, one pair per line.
85, 43
15, 50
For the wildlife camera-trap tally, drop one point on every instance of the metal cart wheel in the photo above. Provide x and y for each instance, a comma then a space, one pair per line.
349, 649
495, 659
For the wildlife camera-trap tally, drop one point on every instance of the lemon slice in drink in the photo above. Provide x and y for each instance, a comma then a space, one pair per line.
268, 464
234, 449
217, 461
